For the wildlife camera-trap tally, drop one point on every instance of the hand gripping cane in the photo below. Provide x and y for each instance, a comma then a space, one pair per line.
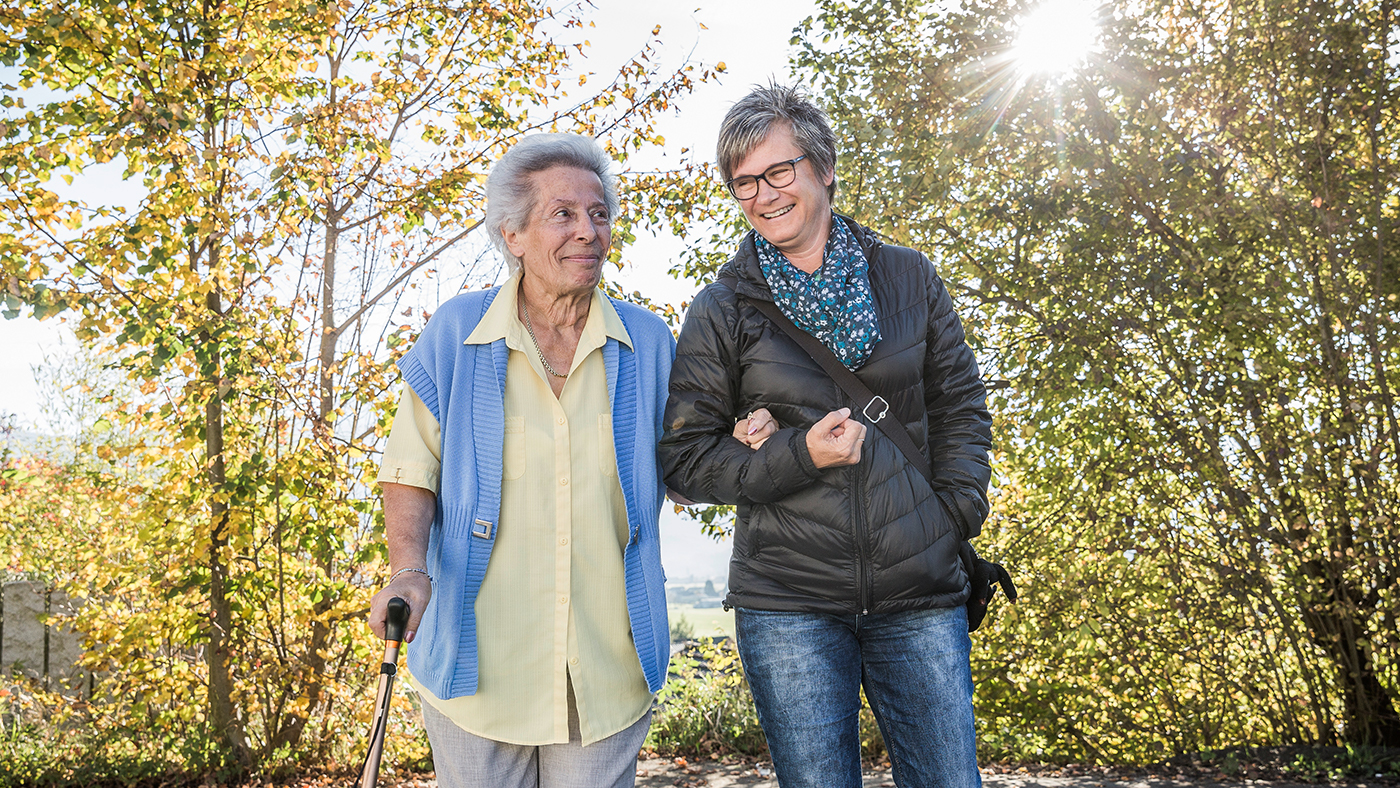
394, 625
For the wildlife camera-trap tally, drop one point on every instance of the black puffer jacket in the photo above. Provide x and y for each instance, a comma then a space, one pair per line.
869, 537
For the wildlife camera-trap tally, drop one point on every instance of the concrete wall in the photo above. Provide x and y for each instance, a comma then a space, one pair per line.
23, 634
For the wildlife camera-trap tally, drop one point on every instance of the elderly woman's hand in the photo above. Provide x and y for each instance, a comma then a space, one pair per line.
415, 588
756, 428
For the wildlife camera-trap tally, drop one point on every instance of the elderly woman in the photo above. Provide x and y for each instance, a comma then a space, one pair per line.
845, 569
521, 495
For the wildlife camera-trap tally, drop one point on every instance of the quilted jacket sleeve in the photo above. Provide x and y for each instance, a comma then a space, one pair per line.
959, 425
700, 458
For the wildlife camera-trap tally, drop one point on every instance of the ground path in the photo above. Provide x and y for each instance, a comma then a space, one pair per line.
680, 773
683, 773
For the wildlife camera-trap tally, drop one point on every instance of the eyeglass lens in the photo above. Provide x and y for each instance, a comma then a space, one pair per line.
777, 176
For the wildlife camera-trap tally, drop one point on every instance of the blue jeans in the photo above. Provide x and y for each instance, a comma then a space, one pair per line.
806, 671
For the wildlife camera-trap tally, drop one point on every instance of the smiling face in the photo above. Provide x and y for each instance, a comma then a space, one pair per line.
797, 217
567, 233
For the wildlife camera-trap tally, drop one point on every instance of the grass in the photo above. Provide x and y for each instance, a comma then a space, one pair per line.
706, 621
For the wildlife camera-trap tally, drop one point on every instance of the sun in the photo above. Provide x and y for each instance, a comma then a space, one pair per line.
1057, 37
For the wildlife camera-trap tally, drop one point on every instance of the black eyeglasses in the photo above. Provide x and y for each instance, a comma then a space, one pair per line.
745, 187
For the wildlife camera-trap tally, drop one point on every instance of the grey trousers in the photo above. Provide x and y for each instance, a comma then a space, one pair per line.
465, 760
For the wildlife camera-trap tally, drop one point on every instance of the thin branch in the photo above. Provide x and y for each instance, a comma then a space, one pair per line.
368, 304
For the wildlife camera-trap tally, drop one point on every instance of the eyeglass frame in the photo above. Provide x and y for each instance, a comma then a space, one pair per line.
729, 184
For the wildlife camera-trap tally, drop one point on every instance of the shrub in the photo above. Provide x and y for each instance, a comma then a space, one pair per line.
706, 706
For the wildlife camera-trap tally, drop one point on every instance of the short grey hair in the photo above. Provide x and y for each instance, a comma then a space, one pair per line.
510, 196
753, 117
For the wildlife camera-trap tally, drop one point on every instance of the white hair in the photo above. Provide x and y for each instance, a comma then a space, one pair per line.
510, 195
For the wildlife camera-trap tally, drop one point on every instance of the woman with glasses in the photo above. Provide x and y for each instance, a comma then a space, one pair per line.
845, 570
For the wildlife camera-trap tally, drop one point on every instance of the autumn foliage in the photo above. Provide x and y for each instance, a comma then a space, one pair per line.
296, 180
1181, 269
1178, 264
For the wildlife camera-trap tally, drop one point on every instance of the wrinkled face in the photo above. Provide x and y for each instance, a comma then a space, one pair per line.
795, 216
567, 234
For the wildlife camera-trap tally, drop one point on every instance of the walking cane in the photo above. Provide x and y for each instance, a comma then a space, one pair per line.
394, 625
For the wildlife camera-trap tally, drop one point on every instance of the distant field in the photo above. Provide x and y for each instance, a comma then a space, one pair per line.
706, 620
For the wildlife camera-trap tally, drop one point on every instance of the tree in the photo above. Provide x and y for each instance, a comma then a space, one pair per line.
1180, 264
296, 168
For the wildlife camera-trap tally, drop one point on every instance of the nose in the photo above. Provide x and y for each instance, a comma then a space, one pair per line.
766, 191
585, 228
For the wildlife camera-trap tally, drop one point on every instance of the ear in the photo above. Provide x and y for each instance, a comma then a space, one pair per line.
829, 177
514, 242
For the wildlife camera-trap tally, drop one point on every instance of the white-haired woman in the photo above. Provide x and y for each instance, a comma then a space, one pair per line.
846, 570
521, 495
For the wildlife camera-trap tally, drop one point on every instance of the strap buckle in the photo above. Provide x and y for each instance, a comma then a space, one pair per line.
879, 402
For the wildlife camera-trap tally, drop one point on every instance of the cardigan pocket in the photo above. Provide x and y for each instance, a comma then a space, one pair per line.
514, 460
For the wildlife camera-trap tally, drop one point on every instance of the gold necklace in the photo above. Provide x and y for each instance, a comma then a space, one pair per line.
547, 368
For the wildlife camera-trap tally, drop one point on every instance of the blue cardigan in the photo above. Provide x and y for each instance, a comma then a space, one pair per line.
464, 386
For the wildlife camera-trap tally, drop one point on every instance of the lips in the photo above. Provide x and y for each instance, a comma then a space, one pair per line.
777, 213
584, 258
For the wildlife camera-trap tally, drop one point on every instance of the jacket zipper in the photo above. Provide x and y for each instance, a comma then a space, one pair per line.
862, 541
865, 589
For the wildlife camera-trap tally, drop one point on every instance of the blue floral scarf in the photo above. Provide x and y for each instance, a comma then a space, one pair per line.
834, 304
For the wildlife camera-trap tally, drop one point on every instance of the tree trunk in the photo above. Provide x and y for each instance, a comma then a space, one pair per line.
1371, 714
324, 429
1337, 626
223, 718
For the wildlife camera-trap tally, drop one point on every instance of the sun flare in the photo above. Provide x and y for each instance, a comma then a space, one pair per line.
1057, 37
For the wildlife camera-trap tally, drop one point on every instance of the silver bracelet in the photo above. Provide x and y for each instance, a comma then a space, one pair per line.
423, 572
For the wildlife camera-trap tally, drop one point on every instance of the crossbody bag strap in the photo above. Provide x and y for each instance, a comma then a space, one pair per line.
876, 407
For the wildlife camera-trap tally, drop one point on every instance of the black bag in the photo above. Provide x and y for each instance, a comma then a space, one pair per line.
984, 576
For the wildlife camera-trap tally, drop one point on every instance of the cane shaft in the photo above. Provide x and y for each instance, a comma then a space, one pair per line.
383, 698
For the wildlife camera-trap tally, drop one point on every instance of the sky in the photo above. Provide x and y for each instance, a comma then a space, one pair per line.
751, 39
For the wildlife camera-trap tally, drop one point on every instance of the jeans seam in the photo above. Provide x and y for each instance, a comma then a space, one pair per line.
895, 771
